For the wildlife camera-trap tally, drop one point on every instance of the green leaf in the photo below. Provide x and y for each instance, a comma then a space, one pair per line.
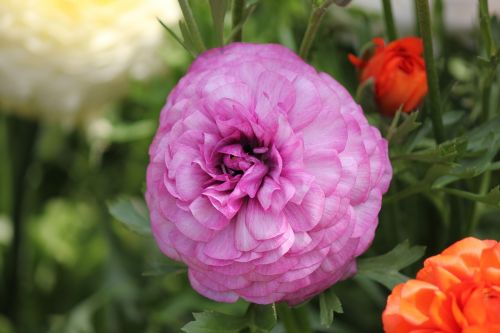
329, 303
385, 268
261, 318
218, 9
133, 213
186, 35
257, 319
178, 39
214, 322
446, 152
399, 133
191, 26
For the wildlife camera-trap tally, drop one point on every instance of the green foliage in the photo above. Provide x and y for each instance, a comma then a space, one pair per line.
385, 268
329, 303
258, 319
133, 213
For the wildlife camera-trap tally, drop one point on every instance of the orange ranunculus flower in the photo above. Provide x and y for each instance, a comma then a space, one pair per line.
398, 70
457, 291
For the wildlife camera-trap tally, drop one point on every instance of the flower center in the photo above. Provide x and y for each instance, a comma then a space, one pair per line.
238, 158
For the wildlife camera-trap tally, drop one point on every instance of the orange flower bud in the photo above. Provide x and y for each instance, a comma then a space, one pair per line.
457, 291
398, 70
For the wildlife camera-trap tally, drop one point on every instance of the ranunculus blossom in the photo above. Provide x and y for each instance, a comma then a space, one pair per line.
64, 60
398, 71
457, 291
265, 177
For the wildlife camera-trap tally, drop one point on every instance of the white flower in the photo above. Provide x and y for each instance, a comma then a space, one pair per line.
64, 59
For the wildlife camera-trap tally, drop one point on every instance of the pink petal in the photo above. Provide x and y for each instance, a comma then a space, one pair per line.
263, 224
205, 213
306, 216
223, 245
228, 296
325, 166
307, 104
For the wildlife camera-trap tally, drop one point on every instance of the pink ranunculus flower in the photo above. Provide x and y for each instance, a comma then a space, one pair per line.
265, 177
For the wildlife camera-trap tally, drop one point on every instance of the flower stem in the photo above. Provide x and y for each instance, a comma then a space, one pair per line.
490, 50
485, 22
295, 320
390, 27
424, 21
23, 133
5, 169
237, 18
317, 13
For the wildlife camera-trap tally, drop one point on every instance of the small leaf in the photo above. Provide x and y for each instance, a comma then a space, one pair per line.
177, 38
329, 303
385, 268
191, 26
261, 318
409, 124
133, 213
214, 322
218, 9
186, 35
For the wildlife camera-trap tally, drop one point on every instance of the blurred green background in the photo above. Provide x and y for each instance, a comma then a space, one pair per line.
82, 271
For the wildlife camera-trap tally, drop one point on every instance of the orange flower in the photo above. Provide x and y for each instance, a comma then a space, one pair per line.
457, 291
398, 71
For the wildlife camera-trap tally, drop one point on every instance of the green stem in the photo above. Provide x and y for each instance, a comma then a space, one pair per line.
424, 21
192, 26
295, 320
237, 18
317, 13
5, 169
485, 22
490, 50
390, 27
23, 134
476, 213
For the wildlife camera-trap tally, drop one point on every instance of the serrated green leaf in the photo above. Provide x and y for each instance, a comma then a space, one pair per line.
261, 318
214, 322
257, 319
385, 268
448, 151
329, 303
218, 9
133, 214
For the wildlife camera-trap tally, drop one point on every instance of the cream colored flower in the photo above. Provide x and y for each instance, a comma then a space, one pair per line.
64, 59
